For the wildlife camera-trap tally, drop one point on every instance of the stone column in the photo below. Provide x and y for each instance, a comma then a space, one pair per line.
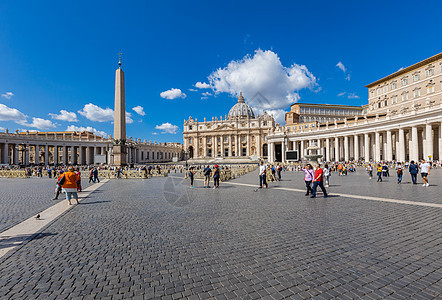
337, 158
36, 154
65, 155
301, 149
356, 147
88, 155
414, 144
222, 146
377, 156
248, 144
346, 150
327, 149
401, 146
270, 150
27, 149
55, 155
205, 146
321, 150
81, 155
74, 155
389, 147
283, 151
5, 153
46, 155
215, 146
15, 154
366, 147
440, 142
428, 142
258, 145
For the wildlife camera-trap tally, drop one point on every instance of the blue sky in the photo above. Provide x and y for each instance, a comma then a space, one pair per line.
59, 56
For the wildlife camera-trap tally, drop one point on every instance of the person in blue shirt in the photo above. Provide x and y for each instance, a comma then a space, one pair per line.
413, 169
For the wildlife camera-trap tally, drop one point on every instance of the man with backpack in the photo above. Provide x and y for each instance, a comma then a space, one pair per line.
399, 171
207, 172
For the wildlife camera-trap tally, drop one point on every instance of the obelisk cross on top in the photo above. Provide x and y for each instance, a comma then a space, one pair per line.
119, 147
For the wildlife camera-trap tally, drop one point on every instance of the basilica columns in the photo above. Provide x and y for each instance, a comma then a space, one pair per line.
414, 146
366, 147
337, 154
401, 148
346, 150
356, 147
428, 146
389, 146
327, 149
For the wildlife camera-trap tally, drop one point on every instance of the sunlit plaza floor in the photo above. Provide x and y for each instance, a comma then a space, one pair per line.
157, 238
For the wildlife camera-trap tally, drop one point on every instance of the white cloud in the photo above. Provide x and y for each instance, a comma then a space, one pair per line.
139, 110
88, 128
353, 96
154, 133
193, 90
11, 114
348, 77
8, 95
65, 116
129, 119
342, 94
167, 128
95, 113
2, 128
263, 74
172, 94
341, 66
202, 85
38, 123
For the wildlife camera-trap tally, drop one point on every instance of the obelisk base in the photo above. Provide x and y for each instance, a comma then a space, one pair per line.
119, 152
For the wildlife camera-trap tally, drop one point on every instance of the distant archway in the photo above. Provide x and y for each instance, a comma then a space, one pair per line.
265, 150
191, 152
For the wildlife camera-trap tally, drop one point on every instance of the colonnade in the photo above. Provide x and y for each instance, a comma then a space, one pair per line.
401, 143
29, 153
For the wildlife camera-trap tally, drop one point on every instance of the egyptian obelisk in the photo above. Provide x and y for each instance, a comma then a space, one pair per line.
119, 147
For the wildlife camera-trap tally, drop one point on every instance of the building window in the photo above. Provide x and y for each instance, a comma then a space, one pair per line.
393, 85
430, 72
379, 105
416, 77
209, 140
226, 139
404, 81
379, 91
394, 100
417, 93
430, 89
190, 127
385, 89
190, 140
404, 96
243, 138
264, 123
385, 103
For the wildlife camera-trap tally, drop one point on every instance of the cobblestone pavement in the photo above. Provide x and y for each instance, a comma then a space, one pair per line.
359, 184
21, 198
143, 239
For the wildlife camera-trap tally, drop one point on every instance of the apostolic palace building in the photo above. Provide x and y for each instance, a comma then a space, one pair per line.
402, 121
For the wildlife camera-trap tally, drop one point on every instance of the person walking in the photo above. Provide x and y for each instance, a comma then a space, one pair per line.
91, 176
370, 171
308, 178
379, 170
70, 185
191, 174
399, 172
425, 171
278, 171
216, 175
262, 175
58, 185
95, 173
207, 172
327, 175
413, 169
318, 181
79, 189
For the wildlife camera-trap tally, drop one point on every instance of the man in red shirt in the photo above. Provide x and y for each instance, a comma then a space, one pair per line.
318, 180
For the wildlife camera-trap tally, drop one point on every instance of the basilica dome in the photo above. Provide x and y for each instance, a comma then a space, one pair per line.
241, 109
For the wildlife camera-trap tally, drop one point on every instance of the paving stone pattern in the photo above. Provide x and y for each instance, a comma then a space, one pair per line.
129, 241
22, 198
